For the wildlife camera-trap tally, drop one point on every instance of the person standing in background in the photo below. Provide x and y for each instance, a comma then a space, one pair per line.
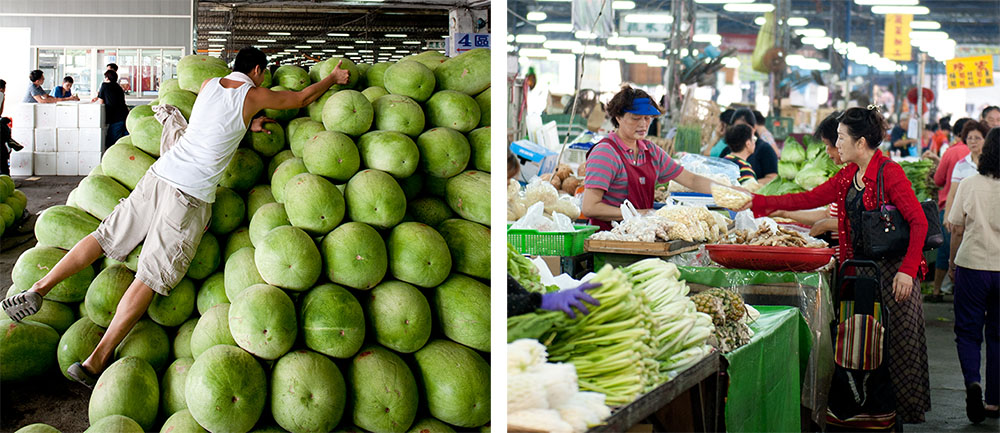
991, 116
65, 90
764, 158
942, 178
115, 110
762, 131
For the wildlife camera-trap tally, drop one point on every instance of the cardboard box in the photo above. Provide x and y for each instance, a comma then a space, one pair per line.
539, 159
91, 115
22, 115
45, 115
45, 140
67, 115
88, 160
67, 140
68, 163
554, 264
92, 139
21, 163
25, 135
46, 163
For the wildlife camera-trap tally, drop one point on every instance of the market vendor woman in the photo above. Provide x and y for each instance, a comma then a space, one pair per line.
625, 166
853, 189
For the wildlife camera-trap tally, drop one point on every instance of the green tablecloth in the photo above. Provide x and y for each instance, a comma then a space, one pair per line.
765, 375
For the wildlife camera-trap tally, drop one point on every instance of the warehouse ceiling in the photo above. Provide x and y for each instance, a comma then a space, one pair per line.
303, 32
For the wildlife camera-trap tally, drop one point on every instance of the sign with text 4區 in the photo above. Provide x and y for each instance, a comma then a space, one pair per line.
968, 72
467, 41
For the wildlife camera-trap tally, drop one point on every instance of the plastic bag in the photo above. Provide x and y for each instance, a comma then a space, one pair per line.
535, 219
707, 166
540, 191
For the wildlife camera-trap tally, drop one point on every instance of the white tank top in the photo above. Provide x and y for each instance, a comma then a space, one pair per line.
197, 161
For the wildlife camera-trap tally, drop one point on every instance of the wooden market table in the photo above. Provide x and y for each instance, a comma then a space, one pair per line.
692, 401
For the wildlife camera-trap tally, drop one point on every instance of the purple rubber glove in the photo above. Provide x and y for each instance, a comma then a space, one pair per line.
565, 300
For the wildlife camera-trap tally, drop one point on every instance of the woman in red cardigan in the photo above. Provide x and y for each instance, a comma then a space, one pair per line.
854, 190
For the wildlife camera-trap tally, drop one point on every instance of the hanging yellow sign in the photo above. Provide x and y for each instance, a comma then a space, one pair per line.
968, 72
897, 37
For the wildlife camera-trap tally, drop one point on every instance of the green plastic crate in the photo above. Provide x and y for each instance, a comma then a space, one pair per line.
564, 244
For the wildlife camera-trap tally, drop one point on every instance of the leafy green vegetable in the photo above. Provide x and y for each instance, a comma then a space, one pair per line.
814, 147
810, 177
780, 187
787, 170
919, 174
793, 151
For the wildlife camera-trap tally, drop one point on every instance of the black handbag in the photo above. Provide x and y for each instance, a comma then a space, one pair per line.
886, 234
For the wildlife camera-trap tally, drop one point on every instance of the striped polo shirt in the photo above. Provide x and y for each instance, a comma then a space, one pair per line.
606, 172
746, 170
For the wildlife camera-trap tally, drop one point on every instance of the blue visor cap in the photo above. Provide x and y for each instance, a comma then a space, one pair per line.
642, 107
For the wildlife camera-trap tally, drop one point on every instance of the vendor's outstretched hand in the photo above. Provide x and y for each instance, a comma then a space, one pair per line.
565, 300
340, 76
257, 125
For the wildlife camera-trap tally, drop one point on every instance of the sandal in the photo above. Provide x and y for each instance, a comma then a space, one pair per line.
22, 305
974, 403
79, 374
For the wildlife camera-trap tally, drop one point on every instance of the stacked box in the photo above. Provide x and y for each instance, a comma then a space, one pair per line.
23, 116
25, 135
67, 140
45, 140
91, 115
68, 163
88, 160
46, 163
67, 115
21, 163
45, 116
91, 139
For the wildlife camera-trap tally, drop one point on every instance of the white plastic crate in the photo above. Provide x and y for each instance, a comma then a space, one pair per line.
21, 163
67, 115
45, 140
45, 115
68, 163
67, 140
92, 139
46, 163
88, 160
22, 115
91, 115
25, 135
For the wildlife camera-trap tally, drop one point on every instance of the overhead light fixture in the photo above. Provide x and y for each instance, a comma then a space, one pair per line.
623, 5
536, 16
554, 27
366, 51
304, 46
709, 38
364, 42
412, 42
317, 54
627, 40
345, 47
760, 21
925, 25
266, 40
748, 7
798, 22
217, 39
905, 10
530, 39
260, 46
279, 33
395, 35
292, 50
645, 18
583, 34
219, 32
813, 33
534, 52
216, 46
928, 35
886, 2
818, 42
719, 2
329, 51
617, 54
387, 48
338, 35
651, 46
562, 45
316, 41
351, 54
403, 51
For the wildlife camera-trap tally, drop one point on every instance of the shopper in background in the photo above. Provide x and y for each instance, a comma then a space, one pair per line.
900, 141
741, 142
991, 116
974, 136
957, 129
725, 119
764, 159
36, 94
112, 67
939, 142
854, 190
975, 246
115, 110
762, 131
942, 178
65, 90
626, 166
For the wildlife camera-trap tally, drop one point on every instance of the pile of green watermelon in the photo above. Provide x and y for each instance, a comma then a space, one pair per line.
343, 282
12, 203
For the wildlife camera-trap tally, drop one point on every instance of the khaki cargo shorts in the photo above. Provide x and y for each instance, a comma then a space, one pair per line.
168, 223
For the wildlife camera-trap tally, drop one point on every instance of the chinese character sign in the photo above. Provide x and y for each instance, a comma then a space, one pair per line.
897, 37
968, 72
466, 41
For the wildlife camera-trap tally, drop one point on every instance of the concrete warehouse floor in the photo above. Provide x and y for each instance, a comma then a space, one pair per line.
63, 404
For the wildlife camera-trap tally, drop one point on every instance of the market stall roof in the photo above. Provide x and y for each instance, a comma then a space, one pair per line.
304, 31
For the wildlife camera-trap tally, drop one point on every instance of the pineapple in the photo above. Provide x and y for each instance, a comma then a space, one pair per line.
731, 302
711, 305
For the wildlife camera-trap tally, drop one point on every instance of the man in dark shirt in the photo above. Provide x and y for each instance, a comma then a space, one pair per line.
115, 110
764, 159
65, 90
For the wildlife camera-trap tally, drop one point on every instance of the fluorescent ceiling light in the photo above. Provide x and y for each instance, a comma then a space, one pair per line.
555, 27
583, 34
798, 22
707, 38
622, 54
530, 39
342, 35
644, 18
815, 33
260, 46
364, 42
925, 25
316, 41
403, 51
760, 21
531, 52
794, 59
905, 10
216, 39
317, 54
536, 16
266, 40
216, 46
412, 42
366, 51
292, 50
279, 33
925, 35
350, 54
719, 2
387, 48
886, 2
562, 45
748, 7
623, 4
345, 47
329, 51
304, 46
627, 40
818, 42
395, 35
651, 46
219, 32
